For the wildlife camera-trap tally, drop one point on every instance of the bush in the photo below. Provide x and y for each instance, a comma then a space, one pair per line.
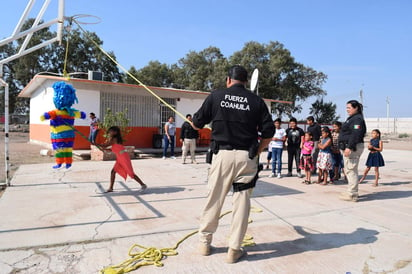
403, 135
115, 119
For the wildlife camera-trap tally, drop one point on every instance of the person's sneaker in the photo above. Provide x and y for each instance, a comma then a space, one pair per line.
164, 157
143, 188
272, 175
173, 157
204, 249
279, 176
348, 197
194, 162
234, 255
300, 175
289, 174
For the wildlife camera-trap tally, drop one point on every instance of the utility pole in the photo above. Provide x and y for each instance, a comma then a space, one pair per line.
361, 96
387, 111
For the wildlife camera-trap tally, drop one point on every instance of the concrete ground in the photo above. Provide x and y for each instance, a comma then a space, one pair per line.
62, 222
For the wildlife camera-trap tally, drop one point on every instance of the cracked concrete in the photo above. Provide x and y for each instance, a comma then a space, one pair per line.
62, 222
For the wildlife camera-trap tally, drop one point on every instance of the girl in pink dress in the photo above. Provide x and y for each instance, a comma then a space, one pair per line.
123, 165
306, 160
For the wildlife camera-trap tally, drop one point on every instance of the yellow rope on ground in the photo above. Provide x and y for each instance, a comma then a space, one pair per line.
154, 256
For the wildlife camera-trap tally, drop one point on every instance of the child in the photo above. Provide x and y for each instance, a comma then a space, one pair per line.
306, 160
123, 165
277, 148
324, 162
337, 158
375, 158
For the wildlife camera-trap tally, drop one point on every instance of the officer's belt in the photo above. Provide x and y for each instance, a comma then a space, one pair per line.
232, 147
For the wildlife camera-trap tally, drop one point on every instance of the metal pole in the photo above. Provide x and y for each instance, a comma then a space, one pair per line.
387, 112
6, 126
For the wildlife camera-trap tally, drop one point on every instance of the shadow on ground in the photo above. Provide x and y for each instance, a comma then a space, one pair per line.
311, 242
384, 195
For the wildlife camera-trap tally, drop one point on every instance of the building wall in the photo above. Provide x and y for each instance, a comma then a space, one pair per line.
187, 106
143, 112
42, 101
390, 125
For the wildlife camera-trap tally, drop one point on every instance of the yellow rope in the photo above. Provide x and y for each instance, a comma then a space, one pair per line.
154, 256
131, 75
66, 54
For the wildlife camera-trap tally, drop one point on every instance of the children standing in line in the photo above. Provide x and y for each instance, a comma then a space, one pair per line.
324, 162
277, 148
375, 158
123, 165
306, 160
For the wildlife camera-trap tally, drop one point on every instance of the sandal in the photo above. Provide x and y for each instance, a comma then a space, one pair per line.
307, 182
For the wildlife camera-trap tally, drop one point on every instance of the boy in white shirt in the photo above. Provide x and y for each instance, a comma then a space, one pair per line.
277, 148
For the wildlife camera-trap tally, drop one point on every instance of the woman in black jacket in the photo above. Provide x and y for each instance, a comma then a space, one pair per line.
351, 143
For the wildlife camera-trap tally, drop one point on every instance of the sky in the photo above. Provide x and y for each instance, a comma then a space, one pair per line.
359, 44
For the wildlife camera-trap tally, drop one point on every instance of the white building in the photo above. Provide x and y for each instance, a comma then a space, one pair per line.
146, 113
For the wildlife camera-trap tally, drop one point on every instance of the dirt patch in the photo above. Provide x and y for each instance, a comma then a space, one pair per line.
20, 152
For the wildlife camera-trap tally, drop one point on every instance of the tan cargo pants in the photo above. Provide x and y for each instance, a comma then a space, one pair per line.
351, 165
228, 166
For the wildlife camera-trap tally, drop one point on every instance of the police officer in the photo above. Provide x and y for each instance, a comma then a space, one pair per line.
237, 115
351, 143
188, 137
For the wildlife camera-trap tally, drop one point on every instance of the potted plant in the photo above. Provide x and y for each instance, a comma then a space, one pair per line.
112, 119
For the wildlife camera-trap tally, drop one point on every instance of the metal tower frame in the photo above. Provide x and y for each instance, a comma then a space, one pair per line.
17, 34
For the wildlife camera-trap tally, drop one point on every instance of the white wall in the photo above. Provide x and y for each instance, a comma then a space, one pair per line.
42, 101
390, 125
187, 106
89, 101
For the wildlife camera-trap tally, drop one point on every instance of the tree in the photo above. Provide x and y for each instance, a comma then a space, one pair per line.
83, 55
280, 76
204, 70
324, 113
23, 69
154, 74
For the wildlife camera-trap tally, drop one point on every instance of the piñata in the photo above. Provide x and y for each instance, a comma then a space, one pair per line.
62, 121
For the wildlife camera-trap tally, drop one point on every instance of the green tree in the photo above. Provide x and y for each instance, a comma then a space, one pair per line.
154, 74
23, 69
83, 55
280, 76
204, 70
324, 113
